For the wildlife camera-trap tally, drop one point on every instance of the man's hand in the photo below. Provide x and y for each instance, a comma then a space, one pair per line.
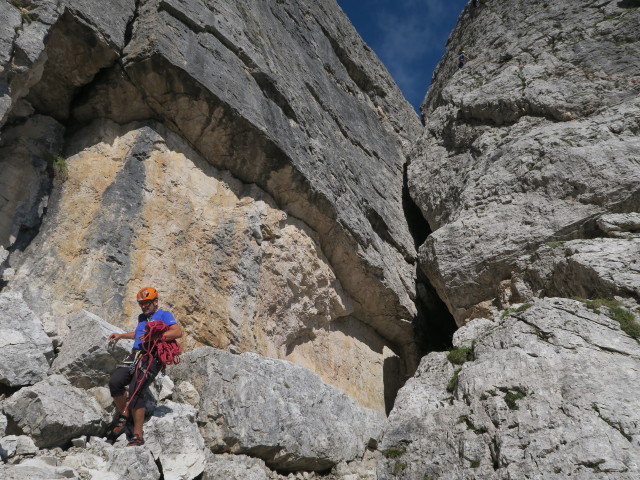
114, 337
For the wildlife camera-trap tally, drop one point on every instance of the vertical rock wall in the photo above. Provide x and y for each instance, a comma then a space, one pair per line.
259, 186
528, 175
528, 144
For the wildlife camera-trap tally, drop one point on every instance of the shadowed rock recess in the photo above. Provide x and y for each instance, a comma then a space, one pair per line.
255, 162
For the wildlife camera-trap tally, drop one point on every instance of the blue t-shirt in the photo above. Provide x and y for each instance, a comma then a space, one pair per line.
164, 315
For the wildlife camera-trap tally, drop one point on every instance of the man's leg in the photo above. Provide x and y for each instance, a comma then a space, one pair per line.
145, 374
138, 421
121, 403
119, 378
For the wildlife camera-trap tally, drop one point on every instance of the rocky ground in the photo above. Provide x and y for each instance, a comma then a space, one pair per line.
214, 412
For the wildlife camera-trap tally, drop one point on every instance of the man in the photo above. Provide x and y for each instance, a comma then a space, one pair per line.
139, 376
462, 58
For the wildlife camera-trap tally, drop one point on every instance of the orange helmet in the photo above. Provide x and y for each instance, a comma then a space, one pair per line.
147, 293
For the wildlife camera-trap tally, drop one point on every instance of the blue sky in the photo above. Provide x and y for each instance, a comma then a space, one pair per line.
408, 35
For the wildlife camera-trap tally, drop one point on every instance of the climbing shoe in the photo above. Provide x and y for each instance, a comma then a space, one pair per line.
119, 427
135, 441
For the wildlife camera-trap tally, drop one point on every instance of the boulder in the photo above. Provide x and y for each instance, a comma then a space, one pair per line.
25, 348
274, 410
53, 412
620, 225
16, 446
547, 415
86, 358
101, 460
173, 438
235, 467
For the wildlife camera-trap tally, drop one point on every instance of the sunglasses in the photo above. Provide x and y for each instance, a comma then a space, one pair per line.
144, 303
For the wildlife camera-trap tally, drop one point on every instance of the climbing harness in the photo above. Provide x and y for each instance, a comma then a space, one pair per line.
154, 347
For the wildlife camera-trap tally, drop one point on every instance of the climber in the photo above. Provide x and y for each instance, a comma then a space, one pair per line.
142, 366
475, 3
462, 59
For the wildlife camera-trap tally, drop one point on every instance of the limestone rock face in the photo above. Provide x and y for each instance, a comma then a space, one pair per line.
235, 269
551, 403
274, 410
259, 186
25, 348
532, 141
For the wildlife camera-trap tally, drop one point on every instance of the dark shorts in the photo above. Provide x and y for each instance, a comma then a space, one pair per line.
137, 380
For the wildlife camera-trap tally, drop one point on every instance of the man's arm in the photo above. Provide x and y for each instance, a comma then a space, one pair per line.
175, 331
117, 336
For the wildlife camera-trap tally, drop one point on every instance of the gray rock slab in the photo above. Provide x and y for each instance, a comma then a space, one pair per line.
621, 224
110, 20
3, 425
10, 21
274, 410
85, 357
172, 436
53, 412
533, 403
596, 268
25, 349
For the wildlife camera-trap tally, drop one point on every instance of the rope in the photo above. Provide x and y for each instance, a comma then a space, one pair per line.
167, 351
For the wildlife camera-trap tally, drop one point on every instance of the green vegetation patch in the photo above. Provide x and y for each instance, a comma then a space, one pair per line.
617, 312
399, 467
512, 395
24, 8
521, 308
57, 166
471, 426
475, 463
453, 382
394, 452
458, 356
554, 244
